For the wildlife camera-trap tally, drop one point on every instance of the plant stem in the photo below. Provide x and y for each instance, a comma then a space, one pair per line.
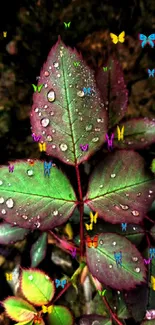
81, 208
63, 244
113, 315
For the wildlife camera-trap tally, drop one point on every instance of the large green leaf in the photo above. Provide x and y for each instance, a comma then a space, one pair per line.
38, 250
60, 316
37, 287
62, 114
10, 234
120, 189
138, 133
18, 309
35, 201
101, 262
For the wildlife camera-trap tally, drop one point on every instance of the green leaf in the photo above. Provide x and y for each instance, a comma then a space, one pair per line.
102, 258
25, 323
18, 309
37, 287
113, 90
70, 117
138, 133
10, 234
60, 316
37, 201
38, 250
120, 189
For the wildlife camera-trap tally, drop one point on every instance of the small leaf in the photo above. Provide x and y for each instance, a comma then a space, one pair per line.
10, 234
18, 309
120, 189
60, 316
38, 250
70, 117
113, 91
127, 276
138, 133
37, 201
37, 287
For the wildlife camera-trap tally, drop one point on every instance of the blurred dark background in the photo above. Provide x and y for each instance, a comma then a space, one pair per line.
32, 29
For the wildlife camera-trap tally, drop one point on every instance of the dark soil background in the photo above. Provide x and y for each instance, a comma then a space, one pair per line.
32, 29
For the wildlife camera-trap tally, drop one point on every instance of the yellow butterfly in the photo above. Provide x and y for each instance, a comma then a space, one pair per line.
120, 133
42, 146
8, 276
93, 218
47, 309
153, 282
89, 227
120, 38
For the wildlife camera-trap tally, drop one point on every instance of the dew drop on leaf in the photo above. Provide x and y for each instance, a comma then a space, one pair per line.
1, 200
150, 191
100, 120
53, 146
45, 106
80, 93
1, 182
36, 109
10, 203
97, 129
51, 95
113, 175
46, 73
30, 277
137, 269
63, 147
95, 139
51, 113
89, 127
46, 85
37, 224
139, 194
3, 211
53, 131
135, 213
56, 64
30, 172
135, 259
110, 266
126, 194
114, 243
49, 138
55, 212
24, 217
45, 122
101, 186
124, 207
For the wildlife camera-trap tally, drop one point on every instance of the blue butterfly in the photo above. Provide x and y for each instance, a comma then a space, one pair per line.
151, 72
87, 90
146, 40
124, 225
47, 168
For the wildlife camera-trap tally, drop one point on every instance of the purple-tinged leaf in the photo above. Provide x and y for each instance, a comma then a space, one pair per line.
38, 250
138, 133
113, 91
63, 114
18, 309
35, 201
136, 301
60, 316
10, 234
120, 189
102, 264
94, 319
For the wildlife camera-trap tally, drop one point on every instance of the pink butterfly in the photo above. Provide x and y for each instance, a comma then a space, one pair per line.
36, 138
84, 147
147, 261
11, 168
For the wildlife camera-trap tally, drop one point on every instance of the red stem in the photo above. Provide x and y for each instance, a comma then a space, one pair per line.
113, 315
149, 219
81, 208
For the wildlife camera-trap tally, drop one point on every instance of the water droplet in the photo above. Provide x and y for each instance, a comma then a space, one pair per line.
50, 67
135, 213
139, 194
39, 114
150, 191
36, 110
100, 120
134, 228
37, 224
46, 73
3, 211
101, 186
30, 172
46, 85
97, 129
137, 269
30, 277
45, 106
51, 95
24, 217
38, 217
49, 138
53, 131
1, 200
113, 175
80, 93
53, 146
55, 212
135, 259
10, 203
56, 64
45, 122
15, 223
63, 147
126, 194
101, 242
118, 292
89, 127
58, 75
95, 139
115, 307
51, 113
124, 207
1, 182
114, 243
110, 266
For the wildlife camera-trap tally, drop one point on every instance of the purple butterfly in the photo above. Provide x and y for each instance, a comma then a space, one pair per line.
147, 261
84, 147
109, 141
11, 168
36, 138
73, 252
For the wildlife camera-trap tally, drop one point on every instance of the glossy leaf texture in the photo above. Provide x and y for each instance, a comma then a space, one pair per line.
94, 319
113, 90
138, 133
37, 287
10, 233
102, 264
18, 309
60, 316
36, 201
38, 250
62, 113
120, 189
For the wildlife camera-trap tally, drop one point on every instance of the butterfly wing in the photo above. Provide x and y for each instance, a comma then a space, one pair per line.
122, 133
65, 24
40, 146
87, 226
95, 217
40, 87
89, 242
143, 38
34, 87
121, 37
44, 146
95, 241
114, 38
118, 133
69, 23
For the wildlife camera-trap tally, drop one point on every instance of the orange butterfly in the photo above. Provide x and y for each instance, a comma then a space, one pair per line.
91, 243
